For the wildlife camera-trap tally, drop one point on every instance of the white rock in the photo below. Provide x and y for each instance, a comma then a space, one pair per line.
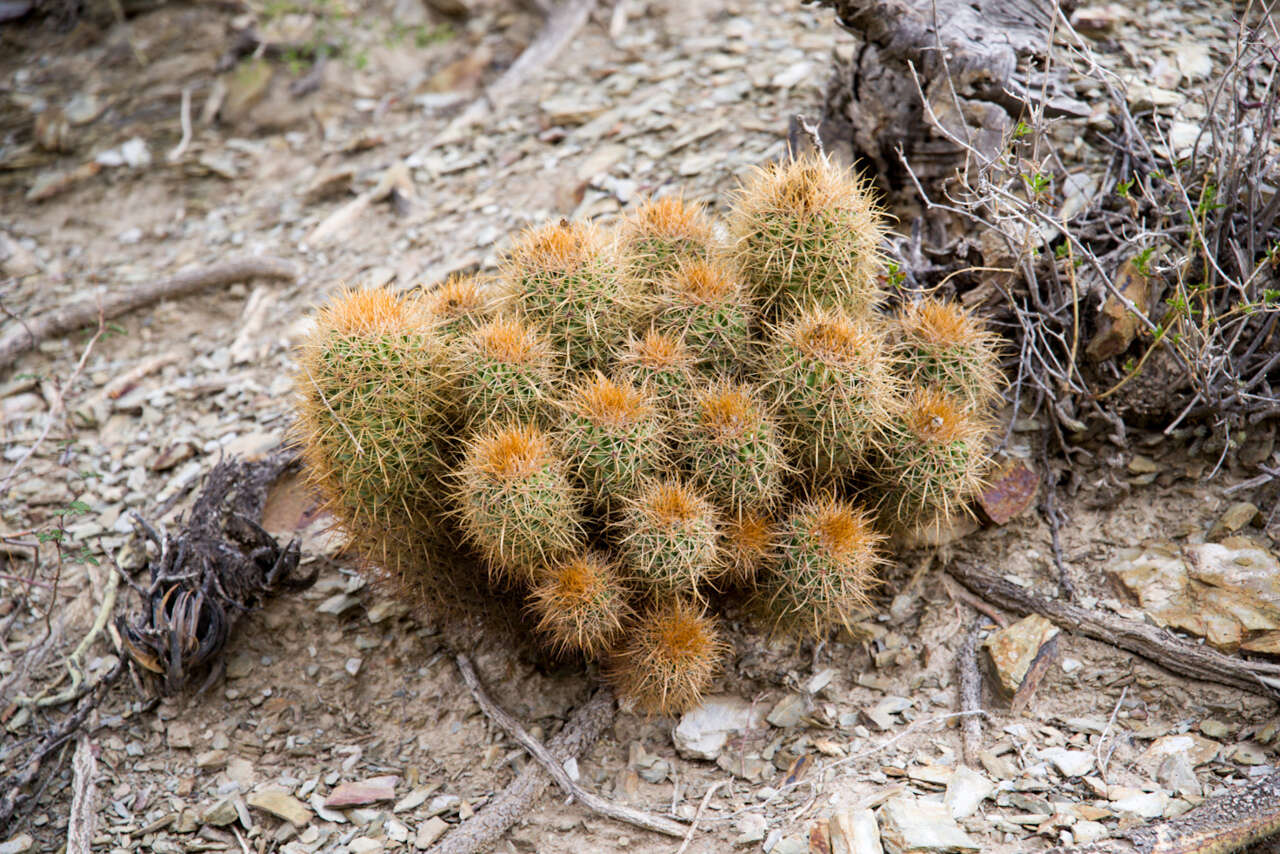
1085, 832
791, 75
855, 832
135, 153
750, 827
1145, 804
908, 824
703, 732
965, 791
1070, 763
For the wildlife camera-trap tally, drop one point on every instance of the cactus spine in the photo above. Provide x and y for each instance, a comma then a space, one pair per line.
806, 231
705, 304
580, 603
828, 556
568, 283
833, 382
505, 372
516, 503
667, 537
668, 658
660, 235
941, 345
728, 445
612, 432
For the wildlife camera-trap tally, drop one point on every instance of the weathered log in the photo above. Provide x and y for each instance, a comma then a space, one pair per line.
975, 62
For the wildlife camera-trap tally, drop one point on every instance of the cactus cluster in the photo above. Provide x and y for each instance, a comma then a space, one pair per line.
619, 424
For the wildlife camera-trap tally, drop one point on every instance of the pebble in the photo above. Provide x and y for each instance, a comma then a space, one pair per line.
1177, 774
221, 813
211, 759
1086, 832
362, 792
855, 832
917, 825
415, 799
1070, 763
965, 791
788, 711
1144, 804
19, 844
881, 714
352, 665
703, 732
364, 845
1011, 650
1249, 754
429, 831
282, 805
750, 827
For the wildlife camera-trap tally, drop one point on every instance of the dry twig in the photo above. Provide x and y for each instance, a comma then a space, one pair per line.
1156, 645
69, 318
591, 801
80, 821
481, 831
970, 685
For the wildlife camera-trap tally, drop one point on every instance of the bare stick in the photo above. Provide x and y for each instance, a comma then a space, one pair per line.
702, 807
563, 24
1155, 644
970, 681
185, 117
485, 828
80, 822
60, 321
591, 801
59, 403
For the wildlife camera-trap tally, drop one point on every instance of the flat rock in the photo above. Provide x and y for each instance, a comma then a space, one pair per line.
1070, 763
881, 714
965, 791
20, 844
1178, 775
221, 813
362, 792
788, 711
1199, 750
1085, 832
1227, 594
281, 804
750, 827
429, 831
855, 832
1144, 804
911, 825
703, 732
1011, 650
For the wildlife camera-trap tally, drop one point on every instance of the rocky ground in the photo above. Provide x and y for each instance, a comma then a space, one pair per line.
341, 685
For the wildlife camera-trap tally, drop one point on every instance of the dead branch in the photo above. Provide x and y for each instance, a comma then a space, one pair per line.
59, 401
561, 27
1155, 644
485, 828
970, 683
60, 321
13, 793
1228, 822
80, 821
555, 768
